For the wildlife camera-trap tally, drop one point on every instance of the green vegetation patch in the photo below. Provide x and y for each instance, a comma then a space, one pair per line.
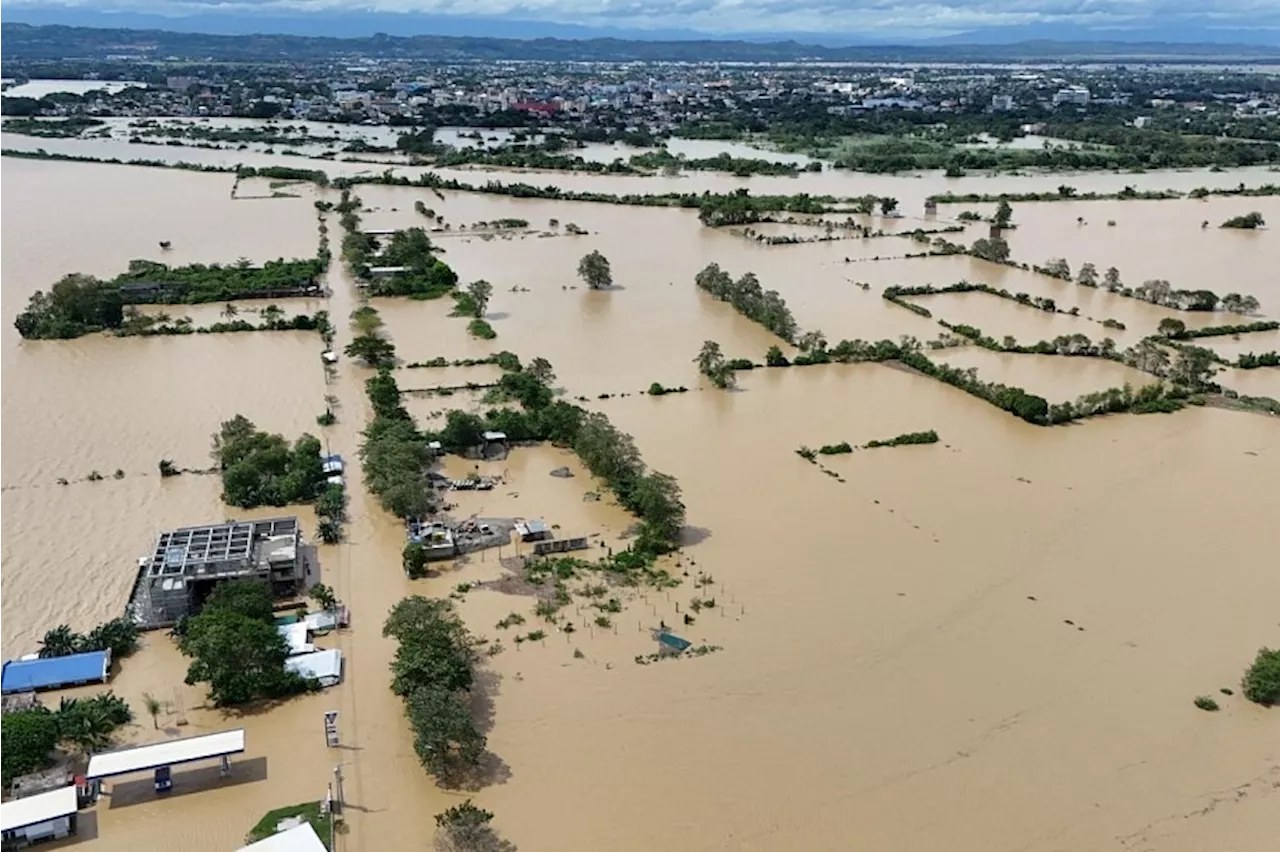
310, 811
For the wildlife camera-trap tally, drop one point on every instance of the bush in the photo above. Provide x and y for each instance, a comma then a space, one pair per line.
480, 328
929, 437
167, 468
775, 358
29, 737
835, 449
326, 419
1261, 682
1249, 221
1204, 702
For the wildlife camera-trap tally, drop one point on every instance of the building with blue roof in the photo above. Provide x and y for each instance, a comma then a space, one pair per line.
55, 672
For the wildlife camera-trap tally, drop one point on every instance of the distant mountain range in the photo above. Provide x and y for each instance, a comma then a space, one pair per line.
22, 41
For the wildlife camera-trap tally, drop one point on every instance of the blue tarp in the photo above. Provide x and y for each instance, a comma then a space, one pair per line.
50, 672
673, 641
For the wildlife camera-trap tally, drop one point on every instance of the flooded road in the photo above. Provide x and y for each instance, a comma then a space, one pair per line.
996, 631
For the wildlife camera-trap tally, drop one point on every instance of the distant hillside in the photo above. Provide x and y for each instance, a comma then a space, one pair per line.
26, 42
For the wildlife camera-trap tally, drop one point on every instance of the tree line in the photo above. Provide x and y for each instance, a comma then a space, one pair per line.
433, 671
750, 299
81, 304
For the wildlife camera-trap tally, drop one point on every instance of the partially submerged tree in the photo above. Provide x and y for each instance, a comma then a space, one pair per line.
480, 292
594, 270
466, 828
711, 363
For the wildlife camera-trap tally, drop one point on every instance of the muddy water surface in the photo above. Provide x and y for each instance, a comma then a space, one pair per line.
925, 629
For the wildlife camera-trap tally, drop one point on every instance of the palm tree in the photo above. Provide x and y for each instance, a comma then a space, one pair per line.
87, 725
154, 707
59, 642
229, 311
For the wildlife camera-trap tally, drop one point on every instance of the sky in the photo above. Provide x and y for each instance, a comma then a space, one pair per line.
1121, 20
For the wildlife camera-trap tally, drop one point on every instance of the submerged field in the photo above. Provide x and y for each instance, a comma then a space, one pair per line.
990, 642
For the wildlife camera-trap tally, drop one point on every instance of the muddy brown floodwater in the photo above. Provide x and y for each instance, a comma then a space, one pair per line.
990, 643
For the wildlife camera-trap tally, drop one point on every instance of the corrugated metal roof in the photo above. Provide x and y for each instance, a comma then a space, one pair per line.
48, 672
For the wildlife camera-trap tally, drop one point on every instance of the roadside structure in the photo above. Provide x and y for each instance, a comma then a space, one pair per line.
161, 757
187, 563
44, 816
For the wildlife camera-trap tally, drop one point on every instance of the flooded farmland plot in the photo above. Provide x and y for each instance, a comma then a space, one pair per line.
1002, 626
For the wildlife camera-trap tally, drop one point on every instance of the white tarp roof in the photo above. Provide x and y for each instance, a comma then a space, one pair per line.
42, 807
165, 754
300, 838
324, 666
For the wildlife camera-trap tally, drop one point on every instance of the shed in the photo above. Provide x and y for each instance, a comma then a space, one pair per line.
533, 530
45, 816
296, 635
324, 666
300, 838
54, 672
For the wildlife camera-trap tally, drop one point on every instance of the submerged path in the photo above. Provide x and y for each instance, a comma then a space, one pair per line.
390, 798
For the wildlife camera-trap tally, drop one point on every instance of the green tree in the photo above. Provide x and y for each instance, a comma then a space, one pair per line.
994, 249
1003, 217
467, 828
29, 737
1194, 367
373, 350
480, 291
594, 270
250, 598
656, 498
1111, 279
323, 595
1171, 327
445, 736
366, 320
239, 657
434, 649
87, 725
711, 363
462, 431
414, 559
1088, 275
1261, 681
60, 642
775, 358
888, 205
540, 369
